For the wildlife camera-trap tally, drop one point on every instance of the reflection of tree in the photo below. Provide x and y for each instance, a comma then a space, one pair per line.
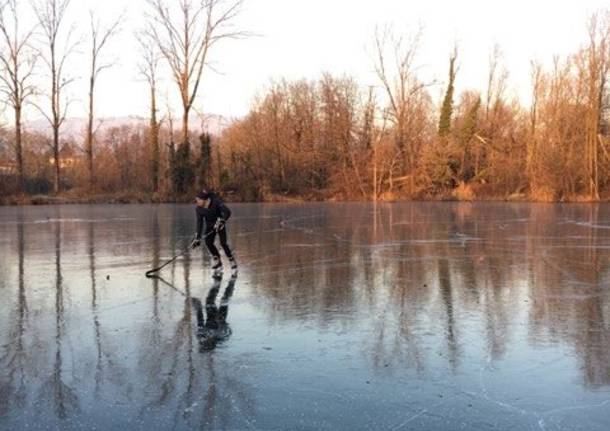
406, 295
187, 397
595, 342
444, 281
64, 398
311, 268
96, 321
106, 362
395, 342
13, 390
496, 313
489, 262
152, 334
568, 290
169, 360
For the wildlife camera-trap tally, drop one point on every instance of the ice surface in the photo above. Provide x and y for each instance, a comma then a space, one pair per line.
425, 316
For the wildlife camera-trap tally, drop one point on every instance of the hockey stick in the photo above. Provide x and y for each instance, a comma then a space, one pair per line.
150, 273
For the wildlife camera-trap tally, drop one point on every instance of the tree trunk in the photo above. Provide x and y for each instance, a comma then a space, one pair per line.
594, 115
411, 172
375, 190
89, 144
18, 147
281, 165
278, 150
172, 165
56, 119
56, 158
154, 141
185, 126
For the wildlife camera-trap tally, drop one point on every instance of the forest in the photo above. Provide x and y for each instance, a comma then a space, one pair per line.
330, 138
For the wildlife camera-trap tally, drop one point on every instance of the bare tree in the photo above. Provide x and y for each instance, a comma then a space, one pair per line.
17, 61
376, 138
496, 79
402, 88
148, 69
99, 39
537, 86
185, 37
339, 98
51, 14
597, 56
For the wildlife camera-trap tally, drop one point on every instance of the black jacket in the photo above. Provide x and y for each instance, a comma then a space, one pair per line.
217, 209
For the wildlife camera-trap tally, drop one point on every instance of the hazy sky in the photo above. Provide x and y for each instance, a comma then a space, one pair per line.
301, 39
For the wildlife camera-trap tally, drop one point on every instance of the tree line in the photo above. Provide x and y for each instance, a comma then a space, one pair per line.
334, 138
328, 138
177, 35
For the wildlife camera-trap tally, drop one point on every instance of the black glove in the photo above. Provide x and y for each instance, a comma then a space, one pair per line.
220, 225
196, 242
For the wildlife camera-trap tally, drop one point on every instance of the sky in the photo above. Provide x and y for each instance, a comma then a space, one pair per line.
302, 39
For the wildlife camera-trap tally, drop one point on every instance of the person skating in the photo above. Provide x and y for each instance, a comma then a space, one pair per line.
211, 210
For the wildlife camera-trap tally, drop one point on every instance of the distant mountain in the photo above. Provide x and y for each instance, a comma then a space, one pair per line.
75, 126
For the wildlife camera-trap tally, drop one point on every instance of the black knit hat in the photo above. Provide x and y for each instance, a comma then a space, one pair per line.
203, 195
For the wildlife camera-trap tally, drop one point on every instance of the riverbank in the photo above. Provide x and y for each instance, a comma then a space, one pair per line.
141, 198
132, 198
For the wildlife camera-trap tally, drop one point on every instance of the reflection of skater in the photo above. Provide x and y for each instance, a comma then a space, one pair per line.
214, 329
211, 209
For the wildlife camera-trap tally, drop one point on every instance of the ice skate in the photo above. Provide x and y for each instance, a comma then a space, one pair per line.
233, 263
217, 268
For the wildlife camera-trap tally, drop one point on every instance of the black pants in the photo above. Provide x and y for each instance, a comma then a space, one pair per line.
210, 237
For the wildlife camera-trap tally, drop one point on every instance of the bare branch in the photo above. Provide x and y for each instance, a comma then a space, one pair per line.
184, 36
17, 61
51, 15
99, 38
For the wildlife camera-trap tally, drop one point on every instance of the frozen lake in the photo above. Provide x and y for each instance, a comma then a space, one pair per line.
428, 316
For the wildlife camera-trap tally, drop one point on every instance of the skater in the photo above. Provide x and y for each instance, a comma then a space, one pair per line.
211, 209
